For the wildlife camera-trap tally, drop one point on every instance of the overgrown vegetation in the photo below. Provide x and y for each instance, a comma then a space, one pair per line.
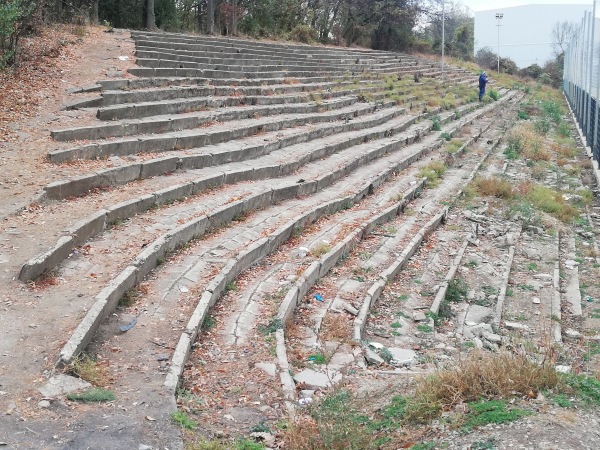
482, 385
433, 172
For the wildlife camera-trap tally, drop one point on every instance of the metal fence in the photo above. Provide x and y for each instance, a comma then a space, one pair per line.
581, 78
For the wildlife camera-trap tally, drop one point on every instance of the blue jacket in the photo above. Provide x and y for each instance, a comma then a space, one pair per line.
482, 81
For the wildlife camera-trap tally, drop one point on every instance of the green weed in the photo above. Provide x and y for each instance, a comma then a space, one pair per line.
271, 327
93, 395
456, 291
318, 358
586, 388
491, 411
562, 401
183, 420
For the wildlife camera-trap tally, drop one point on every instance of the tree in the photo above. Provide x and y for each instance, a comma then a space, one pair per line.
210, 17
533, 71
486, 58
150, 19
458, 29
15, 18
562, 33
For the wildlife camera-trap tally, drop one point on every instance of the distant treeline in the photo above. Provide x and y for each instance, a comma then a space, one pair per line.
379, 24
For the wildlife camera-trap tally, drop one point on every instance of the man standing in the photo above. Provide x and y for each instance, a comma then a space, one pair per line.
482, 82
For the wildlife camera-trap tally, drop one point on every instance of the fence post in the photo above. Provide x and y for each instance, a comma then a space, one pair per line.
590, 51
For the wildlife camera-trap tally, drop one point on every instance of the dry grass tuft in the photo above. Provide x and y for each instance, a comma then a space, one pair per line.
337, 328
493, 187
319, 250
484, 376
92, 371
524, 140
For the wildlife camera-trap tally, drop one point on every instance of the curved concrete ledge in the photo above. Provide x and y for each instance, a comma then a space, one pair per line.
260, 249
393, 269
186, 138
169, 123
107, 300
264, 246
94, 225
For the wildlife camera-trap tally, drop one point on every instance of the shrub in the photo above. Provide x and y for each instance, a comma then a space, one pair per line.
456, 291
494, 94
303, 33
16, 17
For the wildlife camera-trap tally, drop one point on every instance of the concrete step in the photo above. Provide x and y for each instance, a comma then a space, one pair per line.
246, 60
168, 123
352, 152
218, 45
185, 139
146, 109
118, 97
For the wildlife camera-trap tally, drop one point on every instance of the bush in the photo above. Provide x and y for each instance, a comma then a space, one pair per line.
15, 18
303, 33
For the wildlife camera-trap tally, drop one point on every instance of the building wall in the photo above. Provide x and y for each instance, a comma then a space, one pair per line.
525, 32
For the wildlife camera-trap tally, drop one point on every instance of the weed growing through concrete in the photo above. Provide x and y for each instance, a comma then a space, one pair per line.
183, 420
491, 412
94, 395
319, 250
88, 369
456, 291
433, 172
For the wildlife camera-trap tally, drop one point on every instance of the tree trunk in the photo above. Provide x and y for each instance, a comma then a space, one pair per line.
234, 18
210, 17
94, 12
150, 19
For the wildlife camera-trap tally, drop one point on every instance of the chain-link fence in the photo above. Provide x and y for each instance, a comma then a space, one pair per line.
581, 78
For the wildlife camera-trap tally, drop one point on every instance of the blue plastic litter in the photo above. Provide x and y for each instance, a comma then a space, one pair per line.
129, 326
318, 297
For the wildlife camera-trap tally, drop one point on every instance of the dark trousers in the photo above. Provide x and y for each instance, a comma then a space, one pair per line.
481, 92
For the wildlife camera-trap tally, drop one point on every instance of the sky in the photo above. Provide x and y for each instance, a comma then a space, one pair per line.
481, 5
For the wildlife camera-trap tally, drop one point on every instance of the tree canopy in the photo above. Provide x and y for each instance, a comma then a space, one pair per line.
379, 24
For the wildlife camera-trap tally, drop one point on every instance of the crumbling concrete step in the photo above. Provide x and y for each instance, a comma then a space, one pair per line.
342, 135
212, 44
345, 163
185, 139
383, 166
146, 109
117, 97
198, 73
247, 62
243, 59
168, 123
235, 151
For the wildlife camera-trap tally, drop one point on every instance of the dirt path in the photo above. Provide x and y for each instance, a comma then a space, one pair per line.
33, 322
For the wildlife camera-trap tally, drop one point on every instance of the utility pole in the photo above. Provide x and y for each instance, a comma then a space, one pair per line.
443, 35
499, 17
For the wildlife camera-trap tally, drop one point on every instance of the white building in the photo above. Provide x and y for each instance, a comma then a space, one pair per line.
525, 31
